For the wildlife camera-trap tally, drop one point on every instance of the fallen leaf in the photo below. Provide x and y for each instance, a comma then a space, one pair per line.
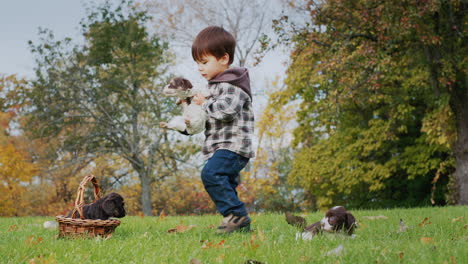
162, 216
458, 219
42, 260
32, 240
252, 243
12, 228
425, 222
209, 244
181, 229
195, 261
427, 240
376, 217
304, 259
401, 254
452, 258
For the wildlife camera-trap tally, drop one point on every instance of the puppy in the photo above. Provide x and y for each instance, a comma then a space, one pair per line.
336, 219
111, 205
193, 118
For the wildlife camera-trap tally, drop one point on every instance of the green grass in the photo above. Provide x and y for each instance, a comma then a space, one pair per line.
443, 238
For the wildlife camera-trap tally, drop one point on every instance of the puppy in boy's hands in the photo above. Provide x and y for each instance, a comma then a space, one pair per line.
111, 205
193, 118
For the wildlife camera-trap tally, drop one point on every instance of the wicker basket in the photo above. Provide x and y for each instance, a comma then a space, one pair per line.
79, 227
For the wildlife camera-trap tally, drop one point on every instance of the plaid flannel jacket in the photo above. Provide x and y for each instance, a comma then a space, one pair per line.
230, 123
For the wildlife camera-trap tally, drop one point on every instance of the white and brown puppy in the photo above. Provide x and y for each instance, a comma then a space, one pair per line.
111, 205
193, 118
336, 219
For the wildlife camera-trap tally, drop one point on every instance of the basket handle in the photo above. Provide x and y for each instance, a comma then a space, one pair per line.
79, 201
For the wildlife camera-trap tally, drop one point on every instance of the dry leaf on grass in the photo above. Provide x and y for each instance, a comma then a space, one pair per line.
209, 244
452, 259
458, 219
425, 222
401, 254
12, 228
162, 216
181, 229
195, 261
42, 260
33, 240
427, 240
251, 243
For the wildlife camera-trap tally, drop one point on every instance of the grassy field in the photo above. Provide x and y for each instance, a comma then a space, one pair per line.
434, 235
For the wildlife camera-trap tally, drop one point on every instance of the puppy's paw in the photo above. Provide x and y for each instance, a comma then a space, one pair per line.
162, 124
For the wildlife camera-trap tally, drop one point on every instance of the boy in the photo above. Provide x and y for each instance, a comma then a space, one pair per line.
229, 128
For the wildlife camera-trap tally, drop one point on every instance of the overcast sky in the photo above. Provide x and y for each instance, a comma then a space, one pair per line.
19, 22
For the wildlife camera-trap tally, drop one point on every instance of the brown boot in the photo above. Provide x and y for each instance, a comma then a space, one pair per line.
233, 223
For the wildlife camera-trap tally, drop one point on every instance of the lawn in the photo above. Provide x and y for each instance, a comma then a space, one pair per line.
434, 235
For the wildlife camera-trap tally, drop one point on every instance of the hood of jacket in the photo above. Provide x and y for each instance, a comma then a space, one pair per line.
236, 76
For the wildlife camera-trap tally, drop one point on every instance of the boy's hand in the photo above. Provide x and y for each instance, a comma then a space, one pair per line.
199, 99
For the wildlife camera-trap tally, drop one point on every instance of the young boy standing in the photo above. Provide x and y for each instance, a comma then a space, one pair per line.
229, 128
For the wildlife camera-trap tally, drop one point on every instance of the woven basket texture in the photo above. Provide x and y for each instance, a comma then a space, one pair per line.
80, 227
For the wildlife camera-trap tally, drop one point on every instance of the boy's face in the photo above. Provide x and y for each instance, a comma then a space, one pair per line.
209, 66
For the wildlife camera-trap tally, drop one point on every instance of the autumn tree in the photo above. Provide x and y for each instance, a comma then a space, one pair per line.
103, 97
383, 95
16, 165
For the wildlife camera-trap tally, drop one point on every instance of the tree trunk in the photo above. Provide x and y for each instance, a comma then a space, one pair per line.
459, 105
145, 193
145, 185
460, 151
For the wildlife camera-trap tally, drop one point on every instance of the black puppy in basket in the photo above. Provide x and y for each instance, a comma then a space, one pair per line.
111, 205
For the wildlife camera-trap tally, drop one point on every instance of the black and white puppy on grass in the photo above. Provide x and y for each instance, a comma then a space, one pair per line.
193, 118
336, 219
111, 205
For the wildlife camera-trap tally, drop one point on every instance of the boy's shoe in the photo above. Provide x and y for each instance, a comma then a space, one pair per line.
234, 223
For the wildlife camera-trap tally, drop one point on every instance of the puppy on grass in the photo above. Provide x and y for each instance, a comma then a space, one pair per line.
111, 205
336, 219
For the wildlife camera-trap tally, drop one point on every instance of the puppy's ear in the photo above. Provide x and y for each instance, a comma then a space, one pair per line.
187, 84
350, 223
109, 205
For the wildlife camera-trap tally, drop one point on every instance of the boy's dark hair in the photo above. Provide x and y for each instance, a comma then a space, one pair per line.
214, 41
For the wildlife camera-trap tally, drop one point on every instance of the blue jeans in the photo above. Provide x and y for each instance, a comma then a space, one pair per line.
219, 176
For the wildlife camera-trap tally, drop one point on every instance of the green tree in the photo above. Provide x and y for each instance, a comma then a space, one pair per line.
383, 97
104, 96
